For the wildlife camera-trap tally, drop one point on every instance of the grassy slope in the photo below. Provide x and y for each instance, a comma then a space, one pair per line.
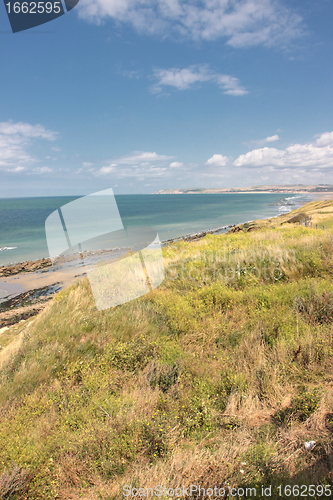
320, 212
215, 378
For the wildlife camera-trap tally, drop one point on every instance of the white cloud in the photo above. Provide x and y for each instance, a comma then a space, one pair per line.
261, 142
139, 164
307, 156
272, 138
230, 85
325, 139
141, 156
109, 169
12, 151
133, 74
43, 170
14, 140
16, 169
217, 161
26, 130
87, 164
183, 79
176, 164
242, 23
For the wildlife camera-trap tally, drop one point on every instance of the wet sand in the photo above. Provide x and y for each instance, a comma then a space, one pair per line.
25, 288
25, 294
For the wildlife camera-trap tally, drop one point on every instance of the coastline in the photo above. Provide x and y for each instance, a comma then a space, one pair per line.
26, 287
226, 228
283, 189
199, 216
31, 266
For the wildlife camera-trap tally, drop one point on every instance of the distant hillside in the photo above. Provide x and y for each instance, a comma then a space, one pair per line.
292, 188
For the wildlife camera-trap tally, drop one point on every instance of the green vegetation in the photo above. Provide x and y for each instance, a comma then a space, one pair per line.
217, 377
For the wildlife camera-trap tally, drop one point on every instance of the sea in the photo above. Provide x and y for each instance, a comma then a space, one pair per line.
22, 220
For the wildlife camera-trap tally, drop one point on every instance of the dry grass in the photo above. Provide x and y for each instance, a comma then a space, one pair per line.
9, 351
13, 482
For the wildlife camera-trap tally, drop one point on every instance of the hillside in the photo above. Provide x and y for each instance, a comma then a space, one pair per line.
283, 188
216, 378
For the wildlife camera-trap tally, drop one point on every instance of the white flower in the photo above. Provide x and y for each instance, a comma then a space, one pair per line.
309, 445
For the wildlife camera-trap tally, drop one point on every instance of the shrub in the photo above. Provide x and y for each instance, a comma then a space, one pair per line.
13, 482
301, 408
163, 376
315, 308
131, 356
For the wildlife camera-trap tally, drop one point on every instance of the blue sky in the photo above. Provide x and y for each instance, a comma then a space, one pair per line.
143, 95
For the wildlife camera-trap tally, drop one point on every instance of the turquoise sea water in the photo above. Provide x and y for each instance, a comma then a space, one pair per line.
22, 220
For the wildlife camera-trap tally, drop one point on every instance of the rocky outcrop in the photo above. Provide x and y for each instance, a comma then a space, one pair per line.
24, 267
302, 217
246, 228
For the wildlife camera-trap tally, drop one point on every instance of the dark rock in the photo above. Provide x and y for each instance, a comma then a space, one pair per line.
28, 266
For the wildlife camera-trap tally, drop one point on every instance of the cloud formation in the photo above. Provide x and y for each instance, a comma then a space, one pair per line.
26, 130
318, 154
261, 142
176, 164
141, 157
139, 164
242, 23
308, 162
43, 170
217, 161
271, 138
325, 139
183, 79
15, 138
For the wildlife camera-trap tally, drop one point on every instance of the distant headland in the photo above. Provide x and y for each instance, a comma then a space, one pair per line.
290, 188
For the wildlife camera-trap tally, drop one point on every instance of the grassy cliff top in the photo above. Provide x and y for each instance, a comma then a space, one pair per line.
217, 377
317, 212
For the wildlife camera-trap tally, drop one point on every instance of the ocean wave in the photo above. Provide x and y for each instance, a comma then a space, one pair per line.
284, 209
294, 197
2, 249
283, 202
